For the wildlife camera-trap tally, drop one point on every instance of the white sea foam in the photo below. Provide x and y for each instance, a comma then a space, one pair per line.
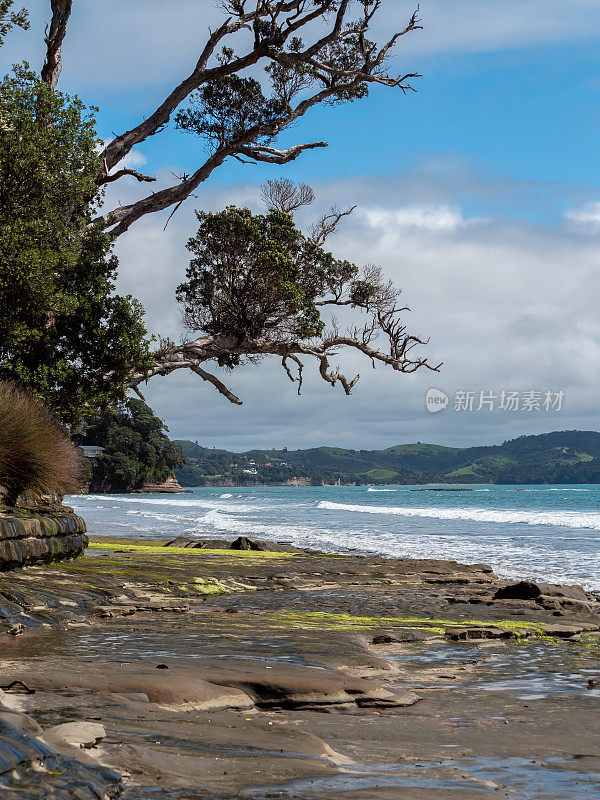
193, 503
570, 519
226, 495
568, 489
477, 530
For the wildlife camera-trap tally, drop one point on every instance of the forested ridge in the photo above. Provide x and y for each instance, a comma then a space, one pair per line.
558, 457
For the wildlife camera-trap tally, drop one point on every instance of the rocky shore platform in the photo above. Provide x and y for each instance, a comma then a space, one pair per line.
147, 672
39, 534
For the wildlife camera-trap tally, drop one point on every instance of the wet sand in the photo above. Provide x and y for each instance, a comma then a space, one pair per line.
246, 674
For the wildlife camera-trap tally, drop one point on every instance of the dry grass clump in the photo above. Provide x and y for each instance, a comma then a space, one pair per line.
35, 453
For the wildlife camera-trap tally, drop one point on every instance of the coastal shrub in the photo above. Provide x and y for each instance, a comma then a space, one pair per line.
35, 453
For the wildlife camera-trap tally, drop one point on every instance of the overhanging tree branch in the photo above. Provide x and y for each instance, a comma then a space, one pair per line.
119, 147
213, 348
245, 143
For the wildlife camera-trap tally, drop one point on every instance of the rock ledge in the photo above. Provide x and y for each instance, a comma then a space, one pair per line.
30, 536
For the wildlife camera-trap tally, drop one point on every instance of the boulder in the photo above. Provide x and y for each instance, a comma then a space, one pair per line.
527, 590
212, 544
182, 541
244, 543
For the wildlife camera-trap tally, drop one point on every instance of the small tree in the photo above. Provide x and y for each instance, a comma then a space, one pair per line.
256, 286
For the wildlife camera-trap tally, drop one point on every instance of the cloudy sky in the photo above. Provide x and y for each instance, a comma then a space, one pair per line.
479, 195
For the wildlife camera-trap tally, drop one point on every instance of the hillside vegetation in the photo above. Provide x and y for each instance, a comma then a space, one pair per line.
559, 457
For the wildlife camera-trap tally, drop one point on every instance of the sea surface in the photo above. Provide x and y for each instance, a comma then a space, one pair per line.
544, 532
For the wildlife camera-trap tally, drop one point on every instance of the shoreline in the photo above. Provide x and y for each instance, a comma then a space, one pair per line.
535, 532
210, 670
187, 489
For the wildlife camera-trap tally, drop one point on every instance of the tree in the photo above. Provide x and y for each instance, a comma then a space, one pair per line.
256, 286
62, 327
240, 117
137, 448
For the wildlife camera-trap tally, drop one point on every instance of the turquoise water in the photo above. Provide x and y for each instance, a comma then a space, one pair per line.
550, 532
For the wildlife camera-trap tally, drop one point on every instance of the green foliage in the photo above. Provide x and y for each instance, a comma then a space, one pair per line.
11, 19
63, 330
229, 108
137, 449
560, 457
255, 276
35, 453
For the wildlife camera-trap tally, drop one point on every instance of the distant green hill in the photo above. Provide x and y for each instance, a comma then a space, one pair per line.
559, 457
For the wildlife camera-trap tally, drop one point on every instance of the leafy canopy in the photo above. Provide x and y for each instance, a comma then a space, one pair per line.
63, 329
229, 108
257, 276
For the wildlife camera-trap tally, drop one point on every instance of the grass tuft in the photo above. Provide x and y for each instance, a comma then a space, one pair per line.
36, 455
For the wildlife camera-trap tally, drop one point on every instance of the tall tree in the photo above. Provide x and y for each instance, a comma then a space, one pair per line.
314, 52
62, 327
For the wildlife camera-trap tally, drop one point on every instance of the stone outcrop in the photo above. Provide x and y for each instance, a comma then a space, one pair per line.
30, 536
169, 486
241, 543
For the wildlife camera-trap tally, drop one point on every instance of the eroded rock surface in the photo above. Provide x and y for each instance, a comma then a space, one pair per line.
39, 535
188, 672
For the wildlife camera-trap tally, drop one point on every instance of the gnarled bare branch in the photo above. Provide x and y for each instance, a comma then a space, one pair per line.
122, 218
270, 155
126, 171
214, 348
326, 225
219, 385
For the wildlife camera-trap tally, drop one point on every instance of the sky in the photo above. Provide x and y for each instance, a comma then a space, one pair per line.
479, 195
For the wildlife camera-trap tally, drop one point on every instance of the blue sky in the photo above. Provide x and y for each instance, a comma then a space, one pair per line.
524, 113
479, 194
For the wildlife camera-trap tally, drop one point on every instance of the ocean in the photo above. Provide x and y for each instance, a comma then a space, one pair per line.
540, 532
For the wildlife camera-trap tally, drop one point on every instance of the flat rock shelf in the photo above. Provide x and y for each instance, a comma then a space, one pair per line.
147, 672
31, 536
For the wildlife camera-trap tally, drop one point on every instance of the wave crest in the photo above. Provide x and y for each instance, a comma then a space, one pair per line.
569, 519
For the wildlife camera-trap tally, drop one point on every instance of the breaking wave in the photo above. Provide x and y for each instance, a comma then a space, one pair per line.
569, 519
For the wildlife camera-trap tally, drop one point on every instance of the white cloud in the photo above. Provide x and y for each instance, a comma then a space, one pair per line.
587, 215
156, 43
507, 305
415, 219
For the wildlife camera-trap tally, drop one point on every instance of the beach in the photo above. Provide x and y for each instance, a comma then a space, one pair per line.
212, 672
549, 532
